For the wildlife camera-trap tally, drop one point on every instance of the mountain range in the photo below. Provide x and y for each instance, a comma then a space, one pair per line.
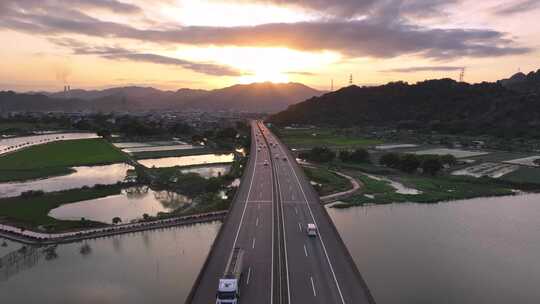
257, 97
509, 107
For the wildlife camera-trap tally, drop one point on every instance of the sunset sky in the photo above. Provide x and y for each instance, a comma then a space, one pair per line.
172, 44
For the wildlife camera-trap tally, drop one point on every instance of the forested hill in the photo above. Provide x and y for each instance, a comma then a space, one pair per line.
443, 105
255, 97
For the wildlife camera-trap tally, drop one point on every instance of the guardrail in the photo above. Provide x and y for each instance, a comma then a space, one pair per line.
40, 238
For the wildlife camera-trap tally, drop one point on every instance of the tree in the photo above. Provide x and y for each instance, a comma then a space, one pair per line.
116, 220
390, 160
432, 166
537, 162
180, 128
104, 133
409, 163
197, 138
145, 216
344, 156
321, 154
448, 159
227, 133
360, 156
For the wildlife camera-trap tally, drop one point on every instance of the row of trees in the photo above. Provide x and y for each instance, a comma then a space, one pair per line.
410, 163
324, 154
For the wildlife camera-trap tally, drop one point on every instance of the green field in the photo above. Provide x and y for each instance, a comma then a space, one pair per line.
524, 175
32, 212
434, 189
55, 158
330, 182
308, 138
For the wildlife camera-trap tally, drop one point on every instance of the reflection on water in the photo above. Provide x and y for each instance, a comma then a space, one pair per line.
209, 171
481, 250
83, 176
131, 204
187, 160
144, 267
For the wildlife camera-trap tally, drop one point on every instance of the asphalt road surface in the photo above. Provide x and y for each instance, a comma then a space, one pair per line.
282, 264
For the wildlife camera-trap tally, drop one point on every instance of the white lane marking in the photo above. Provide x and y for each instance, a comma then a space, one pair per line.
315, 222
295, 210
305, 250
284, 242
299, 227
244, 212
272, 263
313, 286
257, 222
245, 205
253, 244
249, 275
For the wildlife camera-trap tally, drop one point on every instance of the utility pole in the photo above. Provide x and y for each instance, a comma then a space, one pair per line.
350, 80
462, 74
332, 85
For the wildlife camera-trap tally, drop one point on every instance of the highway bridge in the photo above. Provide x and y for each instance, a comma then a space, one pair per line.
269, 216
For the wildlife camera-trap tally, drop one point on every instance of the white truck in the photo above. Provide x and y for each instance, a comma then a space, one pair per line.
229, 285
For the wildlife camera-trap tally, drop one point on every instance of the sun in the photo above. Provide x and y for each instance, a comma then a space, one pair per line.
262, 64
264, 75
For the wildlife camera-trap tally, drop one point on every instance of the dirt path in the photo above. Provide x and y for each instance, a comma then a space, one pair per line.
356, 185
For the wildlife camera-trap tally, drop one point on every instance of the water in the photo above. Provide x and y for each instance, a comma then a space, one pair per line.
83, 176
160, 148
400, 188
209, 171
473, 251
16, 143
131, 204
187, 160
158, 266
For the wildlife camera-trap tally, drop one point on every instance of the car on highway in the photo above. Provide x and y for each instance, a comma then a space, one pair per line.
311, 229
266, 163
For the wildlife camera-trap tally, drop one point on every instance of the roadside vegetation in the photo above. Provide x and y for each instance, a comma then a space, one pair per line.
329, 137
326, 182
31, 209
442, 188
56, 158
426, 177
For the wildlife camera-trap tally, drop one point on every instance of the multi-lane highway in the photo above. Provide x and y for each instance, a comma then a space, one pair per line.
282, 264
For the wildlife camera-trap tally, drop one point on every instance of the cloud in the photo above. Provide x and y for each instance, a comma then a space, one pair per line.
516, 8
423, 69
355, 8
114, 53
300, 73
112, 5
377, 38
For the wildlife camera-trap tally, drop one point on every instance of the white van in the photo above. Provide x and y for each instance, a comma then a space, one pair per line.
311, 229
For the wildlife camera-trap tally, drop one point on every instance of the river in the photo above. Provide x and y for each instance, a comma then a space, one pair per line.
158, 266
481, 250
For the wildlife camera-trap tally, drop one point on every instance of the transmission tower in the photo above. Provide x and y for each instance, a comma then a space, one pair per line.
350, 80
462, 74
332, 85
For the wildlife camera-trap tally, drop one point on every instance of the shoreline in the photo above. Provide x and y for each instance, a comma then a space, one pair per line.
39, 238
